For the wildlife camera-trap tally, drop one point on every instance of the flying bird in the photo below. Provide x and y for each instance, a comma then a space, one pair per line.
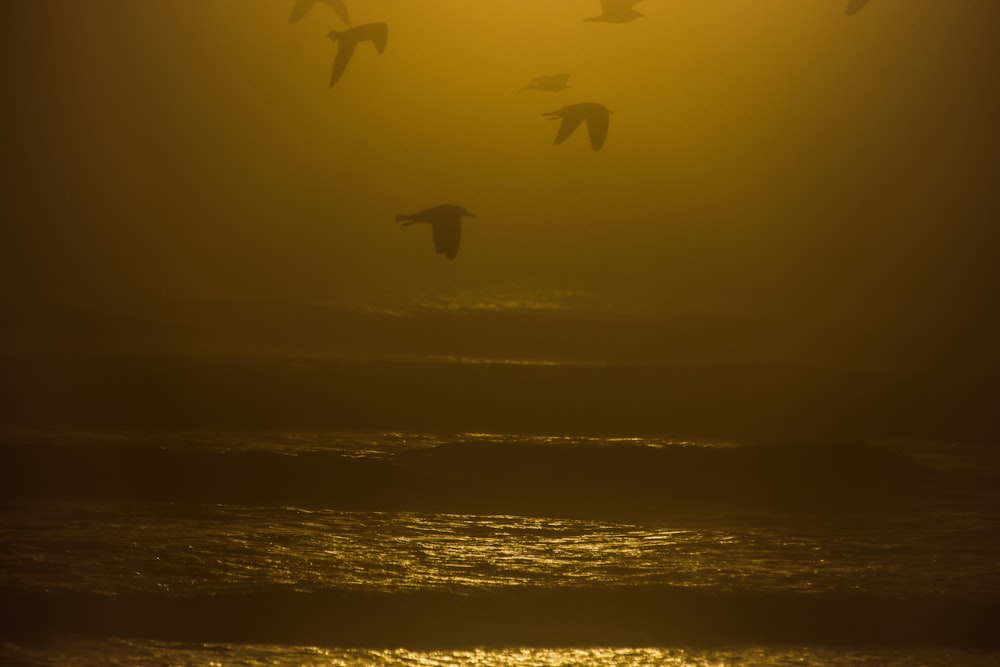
854, 6
446, 221
347, 40
617, 11
553, 83
302, 8
596, 115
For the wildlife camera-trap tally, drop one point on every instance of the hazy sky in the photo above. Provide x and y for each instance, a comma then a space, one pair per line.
764, 156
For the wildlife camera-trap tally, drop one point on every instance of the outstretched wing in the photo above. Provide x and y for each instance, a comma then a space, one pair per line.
447, 235
345, 49
568, 125
378, 33
340, 8
597, 128
300, 9
559, 80
552, 83
854, 6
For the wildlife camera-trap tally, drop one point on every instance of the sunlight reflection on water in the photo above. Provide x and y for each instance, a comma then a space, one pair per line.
216, 547
128, 653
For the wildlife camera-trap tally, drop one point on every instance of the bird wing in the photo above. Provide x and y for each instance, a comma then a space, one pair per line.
345, 49
597, 128
552, 83
854, 6
340, 8
378, 33
447, 234
568, 125
300, 9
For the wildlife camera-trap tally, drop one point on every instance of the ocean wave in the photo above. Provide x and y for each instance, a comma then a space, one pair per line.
185, 549
742, 401
652, 616
528, 477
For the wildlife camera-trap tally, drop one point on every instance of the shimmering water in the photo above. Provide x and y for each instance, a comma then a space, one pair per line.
203, 549
341, 549
73, 651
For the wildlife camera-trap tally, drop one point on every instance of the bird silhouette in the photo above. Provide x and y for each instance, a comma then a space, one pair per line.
347, 41
854, 6
302, 8
597, 116
446, 221
553, 83
617, 11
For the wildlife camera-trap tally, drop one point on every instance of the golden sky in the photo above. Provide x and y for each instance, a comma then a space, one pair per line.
764, 156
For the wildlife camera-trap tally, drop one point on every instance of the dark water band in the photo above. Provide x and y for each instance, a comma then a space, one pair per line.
523, 617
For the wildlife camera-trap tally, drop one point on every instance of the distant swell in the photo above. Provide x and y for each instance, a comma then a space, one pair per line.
522, 617
621, 480
738, 401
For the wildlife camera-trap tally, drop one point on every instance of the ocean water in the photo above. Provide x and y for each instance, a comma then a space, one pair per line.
245, 548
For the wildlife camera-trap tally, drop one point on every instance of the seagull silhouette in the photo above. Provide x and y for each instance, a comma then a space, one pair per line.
302, 8
553, 83
617, 11
347, 40
596, 115
854, 6
446, 221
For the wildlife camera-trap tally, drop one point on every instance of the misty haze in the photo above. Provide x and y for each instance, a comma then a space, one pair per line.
639, 328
